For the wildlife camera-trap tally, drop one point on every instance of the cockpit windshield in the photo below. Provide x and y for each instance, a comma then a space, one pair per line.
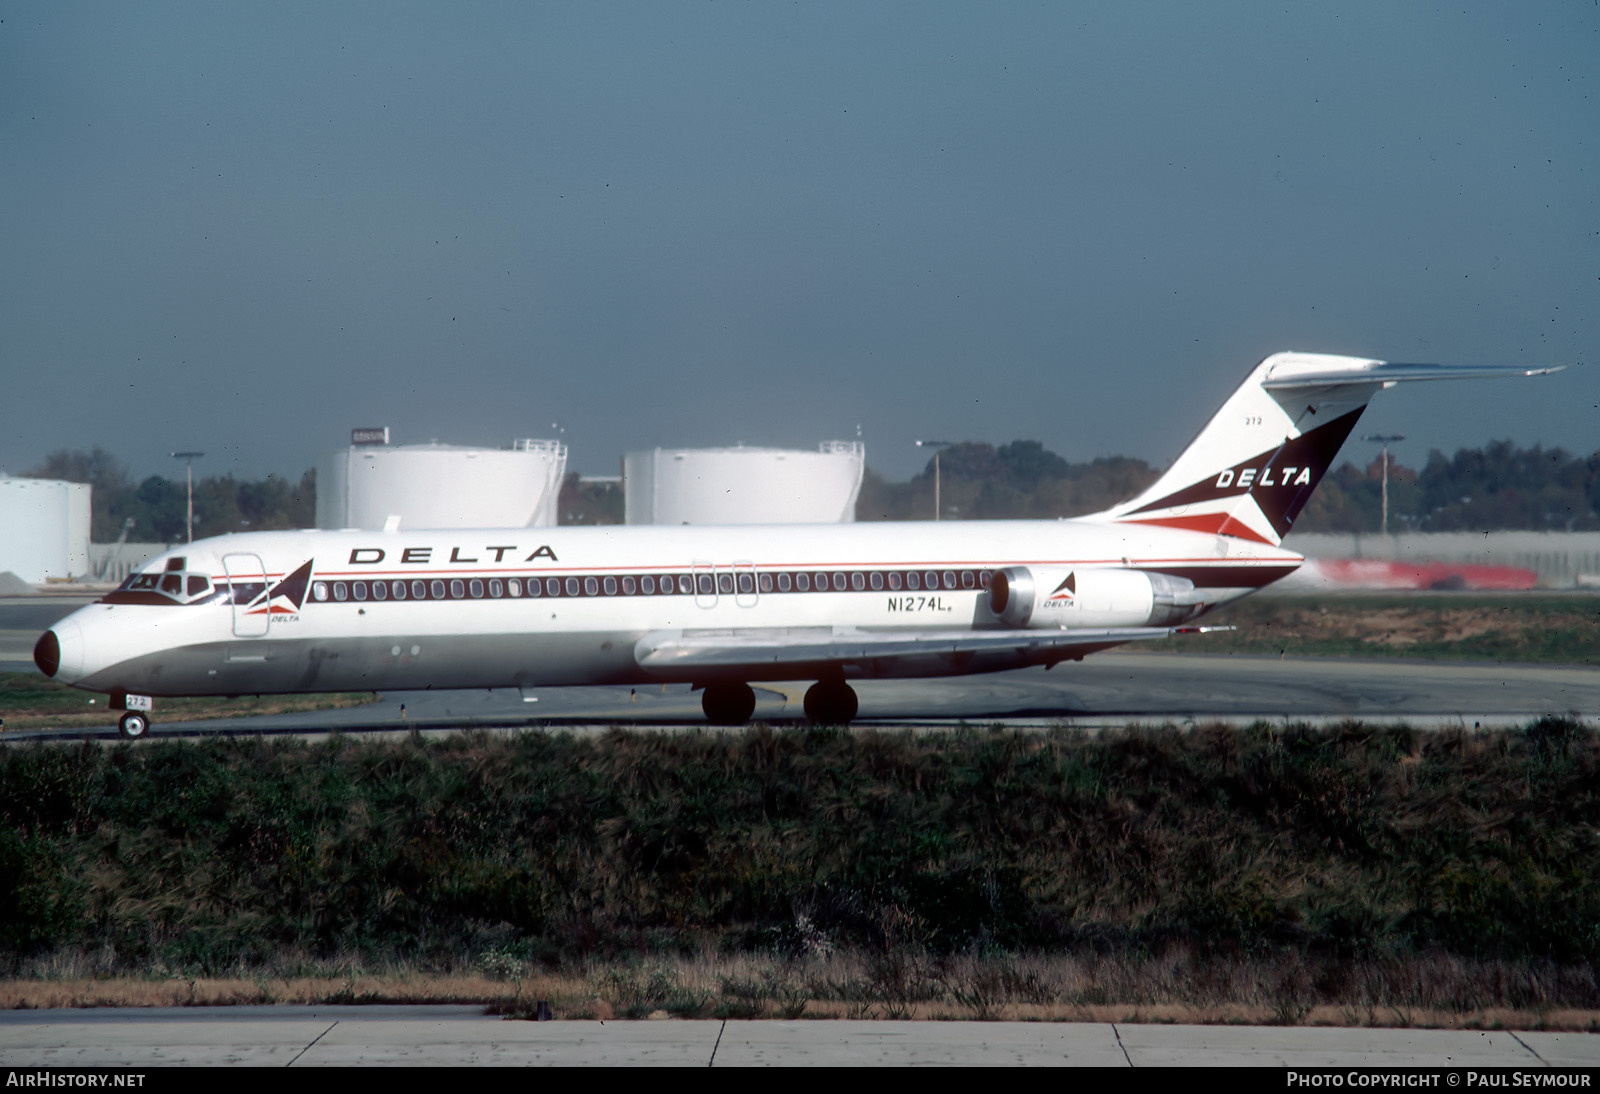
172, 584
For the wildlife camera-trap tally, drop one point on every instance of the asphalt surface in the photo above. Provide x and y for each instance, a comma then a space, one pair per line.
439, 1035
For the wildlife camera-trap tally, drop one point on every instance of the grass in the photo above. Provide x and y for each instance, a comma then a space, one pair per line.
31, 701
1563, 629
1376, 872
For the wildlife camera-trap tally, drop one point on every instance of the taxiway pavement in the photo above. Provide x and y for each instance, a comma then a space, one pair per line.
456, 1035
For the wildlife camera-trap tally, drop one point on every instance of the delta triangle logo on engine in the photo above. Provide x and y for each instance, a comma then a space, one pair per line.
1064, 592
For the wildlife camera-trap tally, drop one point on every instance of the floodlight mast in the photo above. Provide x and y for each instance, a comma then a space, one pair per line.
189, 458
936, 446
1385, 439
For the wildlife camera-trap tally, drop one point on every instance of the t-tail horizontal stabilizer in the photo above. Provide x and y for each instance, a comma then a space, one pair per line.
1251, 470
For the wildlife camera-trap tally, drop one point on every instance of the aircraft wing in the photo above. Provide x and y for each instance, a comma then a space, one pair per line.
756, 652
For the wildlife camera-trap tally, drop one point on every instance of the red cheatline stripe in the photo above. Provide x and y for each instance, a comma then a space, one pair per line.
1218, 524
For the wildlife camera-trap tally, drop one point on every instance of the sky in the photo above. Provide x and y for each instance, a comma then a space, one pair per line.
247, 228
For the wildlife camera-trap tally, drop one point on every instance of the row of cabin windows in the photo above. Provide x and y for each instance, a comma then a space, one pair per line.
723, 583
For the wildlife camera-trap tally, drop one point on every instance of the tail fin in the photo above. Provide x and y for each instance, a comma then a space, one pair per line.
1253, 467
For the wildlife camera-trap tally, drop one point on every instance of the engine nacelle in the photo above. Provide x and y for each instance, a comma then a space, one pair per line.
1060, 597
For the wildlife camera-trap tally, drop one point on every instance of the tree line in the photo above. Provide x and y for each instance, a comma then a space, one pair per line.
154, 509
1500, 486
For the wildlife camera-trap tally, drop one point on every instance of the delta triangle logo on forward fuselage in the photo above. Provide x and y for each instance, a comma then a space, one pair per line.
284, 598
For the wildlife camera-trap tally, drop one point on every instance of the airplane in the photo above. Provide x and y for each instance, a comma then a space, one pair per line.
720, 606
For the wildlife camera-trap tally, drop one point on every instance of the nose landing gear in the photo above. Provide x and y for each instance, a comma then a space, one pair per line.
134, 725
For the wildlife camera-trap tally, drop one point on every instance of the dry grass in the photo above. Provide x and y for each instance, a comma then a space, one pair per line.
1033, 989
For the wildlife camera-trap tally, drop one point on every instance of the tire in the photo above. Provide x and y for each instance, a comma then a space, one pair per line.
831, 703
134, 725
728, 704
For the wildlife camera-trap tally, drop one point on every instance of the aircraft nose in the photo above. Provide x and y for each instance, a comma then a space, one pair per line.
59, 652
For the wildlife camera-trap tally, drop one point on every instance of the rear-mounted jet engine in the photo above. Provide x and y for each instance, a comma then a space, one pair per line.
1022, 596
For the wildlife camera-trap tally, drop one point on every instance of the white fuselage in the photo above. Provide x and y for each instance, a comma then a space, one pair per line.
570, 605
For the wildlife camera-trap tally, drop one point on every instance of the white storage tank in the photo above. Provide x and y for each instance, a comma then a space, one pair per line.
440, 486
744, 485
44, 529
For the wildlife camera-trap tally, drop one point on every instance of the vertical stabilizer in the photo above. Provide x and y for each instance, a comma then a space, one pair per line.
1253, 467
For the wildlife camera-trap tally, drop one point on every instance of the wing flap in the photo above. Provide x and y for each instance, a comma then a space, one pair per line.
872, 653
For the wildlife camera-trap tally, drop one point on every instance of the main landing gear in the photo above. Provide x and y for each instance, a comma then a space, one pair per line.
728, 704
831, 702
828, 702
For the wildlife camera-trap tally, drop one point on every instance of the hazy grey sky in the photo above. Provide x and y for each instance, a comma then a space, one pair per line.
245, 228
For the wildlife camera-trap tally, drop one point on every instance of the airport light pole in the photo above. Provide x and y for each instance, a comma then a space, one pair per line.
189, 458
1385, 439
936, 446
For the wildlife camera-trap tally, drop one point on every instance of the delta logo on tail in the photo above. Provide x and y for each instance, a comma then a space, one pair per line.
1279, 480
285, 598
